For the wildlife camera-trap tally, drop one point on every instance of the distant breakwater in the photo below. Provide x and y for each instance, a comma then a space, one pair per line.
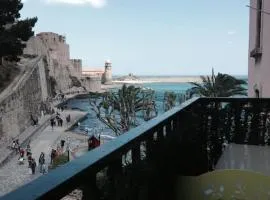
168, 79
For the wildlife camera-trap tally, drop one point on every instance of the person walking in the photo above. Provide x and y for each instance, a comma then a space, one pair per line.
61, 121
33, 166
17, 146
22, 153
53, 154
28, 150
41, 162
62, 143
52, 122
29, 157
58, 120
13, 145
44, 170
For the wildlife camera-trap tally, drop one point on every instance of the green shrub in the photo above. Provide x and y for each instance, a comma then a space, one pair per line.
59, 160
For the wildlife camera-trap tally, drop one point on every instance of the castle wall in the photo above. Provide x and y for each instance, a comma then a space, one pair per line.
77, 66
92, 83
25, 99
56, 53
57, 46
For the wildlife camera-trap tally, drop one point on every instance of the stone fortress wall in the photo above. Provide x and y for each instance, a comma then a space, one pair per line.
77, 67
61, 67
92, 83
23, 99
46, 60
47, 69
56, 51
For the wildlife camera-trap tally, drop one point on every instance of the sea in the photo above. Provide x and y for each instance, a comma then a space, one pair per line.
91, 125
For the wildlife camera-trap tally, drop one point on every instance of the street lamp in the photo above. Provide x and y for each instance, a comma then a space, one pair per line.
68, 148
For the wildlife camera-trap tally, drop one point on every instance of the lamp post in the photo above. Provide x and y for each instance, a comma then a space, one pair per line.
68, 148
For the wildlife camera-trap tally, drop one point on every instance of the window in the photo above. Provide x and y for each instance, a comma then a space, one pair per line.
257, 93
256, 53
259, 23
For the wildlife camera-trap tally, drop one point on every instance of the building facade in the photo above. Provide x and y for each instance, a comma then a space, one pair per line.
105, 73
92, 72
259, 49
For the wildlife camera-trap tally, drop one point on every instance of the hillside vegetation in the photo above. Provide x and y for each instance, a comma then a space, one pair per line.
14, 32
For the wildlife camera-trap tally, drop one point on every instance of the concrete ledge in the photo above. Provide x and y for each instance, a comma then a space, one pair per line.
75, 122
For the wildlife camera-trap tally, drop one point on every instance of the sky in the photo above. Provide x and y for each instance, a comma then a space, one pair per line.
150, 37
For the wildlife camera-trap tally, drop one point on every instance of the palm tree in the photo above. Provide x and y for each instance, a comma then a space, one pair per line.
118, 110
169, 100
220, 85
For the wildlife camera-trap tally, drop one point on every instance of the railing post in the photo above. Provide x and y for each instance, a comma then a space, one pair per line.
169, 128
114, 173
89, 188
160, 134
239, 135
136, 154
149, 147
254, 125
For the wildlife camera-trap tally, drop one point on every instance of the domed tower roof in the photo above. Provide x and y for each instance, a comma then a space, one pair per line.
108, 62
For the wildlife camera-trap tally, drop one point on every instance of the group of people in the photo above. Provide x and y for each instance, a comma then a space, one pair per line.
59, 120
16, 145
25, 153
58, 151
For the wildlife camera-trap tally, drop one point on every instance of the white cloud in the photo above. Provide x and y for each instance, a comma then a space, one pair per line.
231, 32
93, 3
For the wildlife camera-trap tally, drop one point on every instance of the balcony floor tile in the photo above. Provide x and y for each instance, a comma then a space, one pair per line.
246, 157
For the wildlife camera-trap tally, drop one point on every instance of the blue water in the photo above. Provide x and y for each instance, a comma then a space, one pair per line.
93, 123
161, 87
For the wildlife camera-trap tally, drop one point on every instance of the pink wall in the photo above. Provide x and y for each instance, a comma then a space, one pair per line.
259, 72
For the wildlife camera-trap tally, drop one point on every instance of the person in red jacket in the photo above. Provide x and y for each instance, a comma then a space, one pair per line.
22, 152
93, 142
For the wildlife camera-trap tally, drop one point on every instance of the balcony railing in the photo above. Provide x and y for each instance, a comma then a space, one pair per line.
145, 162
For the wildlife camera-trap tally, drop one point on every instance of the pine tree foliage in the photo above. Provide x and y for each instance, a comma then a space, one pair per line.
14, 32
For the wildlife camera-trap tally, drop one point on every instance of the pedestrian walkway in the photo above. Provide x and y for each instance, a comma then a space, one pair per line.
13, 175
31, 131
